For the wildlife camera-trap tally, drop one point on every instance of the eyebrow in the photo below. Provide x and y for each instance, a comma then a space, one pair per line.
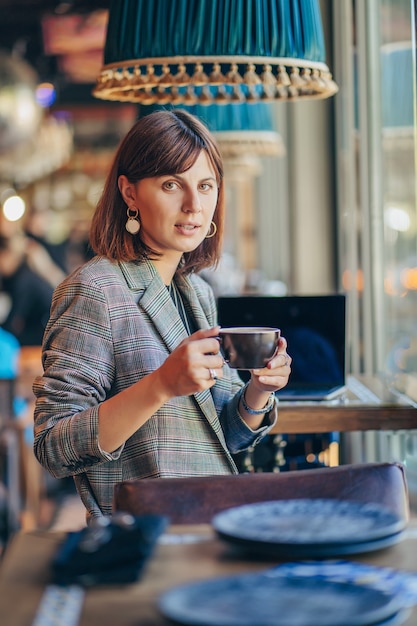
180, 177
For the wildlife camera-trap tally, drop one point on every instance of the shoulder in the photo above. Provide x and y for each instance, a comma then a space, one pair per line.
99, 280
98, 268
96, 293
99, 273
203, 289
201, 285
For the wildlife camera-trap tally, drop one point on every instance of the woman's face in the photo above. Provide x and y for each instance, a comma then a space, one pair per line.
175, 211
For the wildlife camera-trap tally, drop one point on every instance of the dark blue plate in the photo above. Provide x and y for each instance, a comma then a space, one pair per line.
396, 619
309, 527
266, 550
264, 599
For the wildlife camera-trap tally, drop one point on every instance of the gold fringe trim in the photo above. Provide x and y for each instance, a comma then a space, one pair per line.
188, 81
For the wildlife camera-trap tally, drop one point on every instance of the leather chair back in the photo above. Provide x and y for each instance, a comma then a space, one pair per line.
196, 500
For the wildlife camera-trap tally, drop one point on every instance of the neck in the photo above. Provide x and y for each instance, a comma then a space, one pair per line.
166, 269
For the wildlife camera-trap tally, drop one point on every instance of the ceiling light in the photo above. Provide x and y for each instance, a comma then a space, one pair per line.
171, 51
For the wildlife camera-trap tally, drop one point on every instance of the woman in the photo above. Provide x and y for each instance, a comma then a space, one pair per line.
28, 276
134, 384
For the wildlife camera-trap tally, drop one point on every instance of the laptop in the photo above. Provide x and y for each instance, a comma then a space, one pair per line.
315, 329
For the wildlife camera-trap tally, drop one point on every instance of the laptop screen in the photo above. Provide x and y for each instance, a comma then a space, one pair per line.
314, 327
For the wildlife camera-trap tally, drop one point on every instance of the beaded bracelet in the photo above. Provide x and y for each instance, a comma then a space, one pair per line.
266, 408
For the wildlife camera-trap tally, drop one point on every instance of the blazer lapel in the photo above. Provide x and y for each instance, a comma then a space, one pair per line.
148, 288
192, 302
203, 398
151, 294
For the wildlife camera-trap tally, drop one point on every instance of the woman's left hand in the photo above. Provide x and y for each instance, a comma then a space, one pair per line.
276, 374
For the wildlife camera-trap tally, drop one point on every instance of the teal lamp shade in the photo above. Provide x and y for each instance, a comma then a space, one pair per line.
397, 63
398, 112
172, 51
239, 128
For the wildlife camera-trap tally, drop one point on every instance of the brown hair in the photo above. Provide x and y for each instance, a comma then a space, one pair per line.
163, 142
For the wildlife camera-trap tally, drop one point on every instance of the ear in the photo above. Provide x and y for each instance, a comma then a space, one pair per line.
127, 190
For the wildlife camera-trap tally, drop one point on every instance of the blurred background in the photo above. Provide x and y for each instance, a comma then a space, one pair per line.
321, 196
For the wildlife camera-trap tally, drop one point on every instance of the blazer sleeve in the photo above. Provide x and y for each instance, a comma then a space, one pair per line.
78, 365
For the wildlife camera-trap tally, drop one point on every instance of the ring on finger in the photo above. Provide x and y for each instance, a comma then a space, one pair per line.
213, 374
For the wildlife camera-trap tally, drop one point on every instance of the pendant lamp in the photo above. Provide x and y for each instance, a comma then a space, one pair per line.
242, 129
398, 106
239, 129
214, 51
397, 68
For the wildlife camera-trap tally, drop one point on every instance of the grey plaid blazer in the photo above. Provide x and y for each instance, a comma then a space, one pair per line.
111, 324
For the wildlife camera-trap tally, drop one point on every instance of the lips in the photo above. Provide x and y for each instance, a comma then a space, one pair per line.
189, 227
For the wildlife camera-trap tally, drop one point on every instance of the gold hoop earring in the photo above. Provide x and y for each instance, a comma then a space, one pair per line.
132, 225
214, 226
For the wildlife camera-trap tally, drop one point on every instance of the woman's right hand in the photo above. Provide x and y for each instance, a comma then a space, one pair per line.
184, 372
194, 365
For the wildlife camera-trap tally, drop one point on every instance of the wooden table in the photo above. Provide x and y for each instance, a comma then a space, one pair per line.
367, 404
24, 574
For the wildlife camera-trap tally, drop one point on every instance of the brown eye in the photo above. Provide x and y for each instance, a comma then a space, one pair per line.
170, 185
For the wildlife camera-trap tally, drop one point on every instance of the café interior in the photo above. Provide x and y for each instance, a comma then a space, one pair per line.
314, 111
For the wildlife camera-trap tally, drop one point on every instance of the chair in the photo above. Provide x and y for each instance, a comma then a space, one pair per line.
9, 463
32, 474
9, 442
20, 472
195, 500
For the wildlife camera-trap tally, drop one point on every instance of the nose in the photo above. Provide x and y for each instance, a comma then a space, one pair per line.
191, 202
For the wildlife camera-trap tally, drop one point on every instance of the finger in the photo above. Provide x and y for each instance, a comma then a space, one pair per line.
211, 347
215, 360
280, 361
215, 372
215, 367
284, 359
281, 348
205, 333
282, 344
212, 374
271, 382
205, 346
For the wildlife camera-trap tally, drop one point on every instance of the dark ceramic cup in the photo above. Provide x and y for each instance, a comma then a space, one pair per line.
248, 347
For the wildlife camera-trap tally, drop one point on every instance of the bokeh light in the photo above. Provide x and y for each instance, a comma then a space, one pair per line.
14, 208
45, 94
